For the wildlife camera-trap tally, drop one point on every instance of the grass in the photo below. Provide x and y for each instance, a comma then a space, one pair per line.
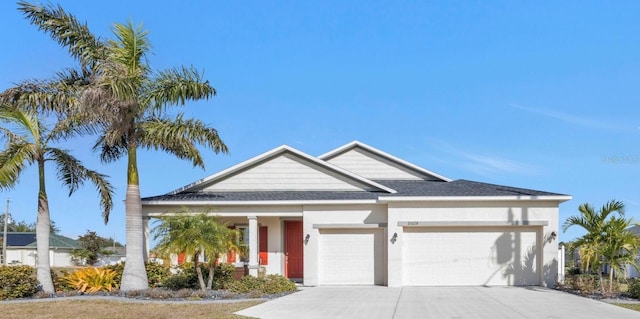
122, 310
632, 306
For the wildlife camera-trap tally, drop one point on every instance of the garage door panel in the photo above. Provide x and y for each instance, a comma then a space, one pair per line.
350, 256
452, 256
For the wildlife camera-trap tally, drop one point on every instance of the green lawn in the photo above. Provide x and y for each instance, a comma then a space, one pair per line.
103, 309
633, 306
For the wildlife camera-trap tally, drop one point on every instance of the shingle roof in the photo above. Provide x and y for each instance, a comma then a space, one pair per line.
404, 188
29, 240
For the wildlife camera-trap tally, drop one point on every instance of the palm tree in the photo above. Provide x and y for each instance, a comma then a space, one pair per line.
28, 142
620, 246
595, 244
128, 105
195, 235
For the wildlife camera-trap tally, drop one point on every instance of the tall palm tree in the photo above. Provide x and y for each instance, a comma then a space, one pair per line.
592, 244
28, 142
200, 236
129, 103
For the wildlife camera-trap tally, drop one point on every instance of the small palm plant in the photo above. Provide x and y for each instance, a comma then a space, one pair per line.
200, 236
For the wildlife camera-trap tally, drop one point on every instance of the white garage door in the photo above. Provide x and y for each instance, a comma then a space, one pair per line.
351, 257
459, 256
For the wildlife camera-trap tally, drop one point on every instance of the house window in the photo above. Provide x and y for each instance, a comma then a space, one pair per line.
242, 241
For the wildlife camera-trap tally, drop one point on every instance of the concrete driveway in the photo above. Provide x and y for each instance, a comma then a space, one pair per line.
435, 302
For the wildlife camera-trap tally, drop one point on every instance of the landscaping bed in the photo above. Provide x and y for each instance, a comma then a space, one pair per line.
180, 284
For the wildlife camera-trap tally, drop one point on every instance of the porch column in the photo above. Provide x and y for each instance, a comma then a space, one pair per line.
253, 246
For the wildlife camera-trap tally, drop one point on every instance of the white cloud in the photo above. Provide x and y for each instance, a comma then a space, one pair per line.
576, 120
484, 164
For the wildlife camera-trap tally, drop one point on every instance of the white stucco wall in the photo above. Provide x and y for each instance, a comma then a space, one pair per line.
57, 257
334, 214
515, 212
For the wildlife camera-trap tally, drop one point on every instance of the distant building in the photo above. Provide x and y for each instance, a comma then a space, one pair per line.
21, 249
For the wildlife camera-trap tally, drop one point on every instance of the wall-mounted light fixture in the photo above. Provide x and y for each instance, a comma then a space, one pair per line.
554, 235
394, 238
306, 239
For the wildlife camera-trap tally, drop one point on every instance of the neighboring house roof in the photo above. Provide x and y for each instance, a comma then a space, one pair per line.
405, 181
15, 240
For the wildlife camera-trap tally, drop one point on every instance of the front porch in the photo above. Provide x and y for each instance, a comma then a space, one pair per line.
268, 244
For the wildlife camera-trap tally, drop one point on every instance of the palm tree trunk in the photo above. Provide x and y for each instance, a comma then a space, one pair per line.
212, 272
601, 281
610, 277
196, 264
134, 276
43, 229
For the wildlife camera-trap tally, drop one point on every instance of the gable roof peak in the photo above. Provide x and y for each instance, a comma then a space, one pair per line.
386, 156
277, 151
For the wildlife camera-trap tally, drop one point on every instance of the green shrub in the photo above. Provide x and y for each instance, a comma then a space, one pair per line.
118, 269
156, 273
245, 285
633, 288
276, 284
180, 281
59, 283
187, 278
223, 275
17, 282
584, 283
270, 285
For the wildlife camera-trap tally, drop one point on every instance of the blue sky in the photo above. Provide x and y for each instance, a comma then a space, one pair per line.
540, 95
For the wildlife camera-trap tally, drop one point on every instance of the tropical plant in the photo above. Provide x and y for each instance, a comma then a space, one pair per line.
620, 246
28, 142
128, 104
92, 279
197, 235
607, 239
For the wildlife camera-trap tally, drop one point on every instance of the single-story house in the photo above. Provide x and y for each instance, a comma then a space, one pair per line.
21, 249
116, 255
359, 216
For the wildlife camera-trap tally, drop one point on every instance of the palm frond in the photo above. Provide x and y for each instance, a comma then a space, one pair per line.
24, 122
73, 175
179, 137
110, 152
13, 160
175, 87
66, 30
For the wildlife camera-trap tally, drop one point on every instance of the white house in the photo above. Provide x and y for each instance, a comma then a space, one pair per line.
632, 272
21, 249
359, 216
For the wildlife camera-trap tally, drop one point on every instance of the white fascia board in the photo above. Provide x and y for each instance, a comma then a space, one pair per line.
349, 226
382, 154
258, 203
474, 223
281, 149
232, 214
558, 198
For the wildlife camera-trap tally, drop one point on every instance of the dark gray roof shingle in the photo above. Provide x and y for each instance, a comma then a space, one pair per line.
403, 187
29, 240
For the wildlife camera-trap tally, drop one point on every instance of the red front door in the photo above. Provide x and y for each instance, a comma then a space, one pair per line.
293, 249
